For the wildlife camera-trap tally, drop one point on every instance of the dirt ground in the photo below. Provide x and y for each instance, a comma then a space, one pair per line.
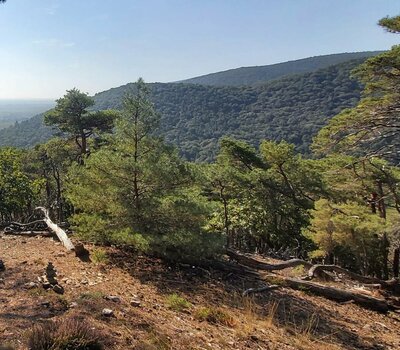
145, 318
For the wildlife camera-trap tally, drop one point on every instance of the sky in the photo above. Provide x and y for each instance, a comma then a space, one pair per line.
49, 46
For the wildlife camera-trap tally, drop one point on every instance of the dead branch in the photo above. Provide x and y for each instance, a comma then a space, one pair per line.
62, 236
328, 292
250, 291
28, 233
337, 294
315, 271
261, 265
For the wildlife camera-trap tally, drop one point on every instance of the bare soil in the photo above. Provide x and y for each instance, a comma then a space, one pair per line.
281, 319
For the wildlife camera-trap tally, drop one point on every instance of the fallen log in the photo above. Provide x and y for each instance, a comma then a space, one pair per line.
28, 233
250, 291
62, 236
335, 294
260, 265
27, 224
328, 292
316, 270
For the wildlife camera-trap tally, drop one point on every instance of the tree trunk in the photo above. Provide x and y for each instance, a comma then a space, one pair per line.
396, 262
336, 294
62, 236
260, 265
316, 270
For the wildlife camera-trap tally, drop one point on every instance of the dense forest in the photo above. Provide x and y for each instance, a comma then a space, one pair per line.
261, 74
195, 117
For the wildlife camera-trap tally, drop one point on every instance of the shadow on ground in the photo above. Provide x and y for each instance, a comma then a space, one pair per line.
295, 314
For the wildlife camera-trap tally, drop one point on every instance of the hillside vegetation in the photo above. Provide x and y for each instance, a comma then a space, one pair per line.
261, 74
194, 117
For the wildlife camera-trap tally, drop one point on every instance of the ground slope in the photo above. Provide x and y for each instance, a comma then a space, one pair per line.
282, 319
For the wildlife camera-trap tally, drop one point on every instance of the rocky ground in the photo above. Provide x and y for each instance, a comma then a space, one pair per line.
139, 303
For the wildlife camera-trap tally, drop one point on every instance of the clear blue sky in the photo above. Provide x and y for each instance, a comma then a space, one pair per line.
48, 46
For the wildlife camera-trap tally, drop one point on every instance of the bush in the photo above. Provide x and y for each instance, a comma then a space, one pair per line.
99, 256
95, 229
68, 334
215, 316
189, 247
177, 303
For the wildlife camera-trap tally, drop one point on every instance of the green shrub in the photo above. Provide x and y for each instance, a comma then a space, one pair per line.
177, 303
214, 316
99, 256
189, 247
68, 334
95, 229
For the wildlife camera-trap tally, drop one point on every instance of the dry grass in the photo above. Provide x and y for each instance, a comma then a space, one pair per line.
215, 316
67, 334
206, 304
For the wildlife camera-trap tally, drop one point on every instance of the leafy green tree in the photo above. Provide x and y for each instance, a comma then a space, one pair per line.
49, 163
348, 234
264, 197
17, 192
72, 116
136, 190
373, 126
358, 184
391, 24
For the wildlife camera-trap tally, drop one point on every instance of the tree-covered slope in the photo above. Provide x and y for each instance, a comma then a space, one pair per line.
194, 117
262, 74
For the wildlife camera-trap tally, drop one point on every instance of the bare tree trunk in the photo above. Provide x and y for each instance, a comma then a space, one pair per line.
336, 294
57, 230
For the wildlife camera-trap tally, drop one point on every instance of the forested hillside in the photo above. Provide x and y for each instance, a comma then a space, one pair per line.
194, 117
262, 74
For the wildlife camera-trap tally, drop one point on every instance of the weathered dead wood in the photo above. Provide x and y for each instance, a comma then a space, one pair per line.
27, 224
317, 269
62, 236
328, 292
260, 290
336, 294
260, 265
28, 233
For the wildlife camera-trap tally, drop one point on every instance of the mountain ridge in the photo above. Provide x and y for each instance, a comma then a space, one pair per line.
194, 117
249, 75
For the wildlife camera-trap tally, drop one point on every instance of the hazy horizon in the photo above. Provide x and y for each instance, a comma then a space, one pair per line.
57, 45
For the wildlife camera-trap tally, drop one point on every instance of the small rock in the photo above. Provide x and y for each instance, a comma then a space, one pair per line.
46, 285
107, 312
73, 305
45, 303
30, 285
114, 298
135, 303
58, 289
